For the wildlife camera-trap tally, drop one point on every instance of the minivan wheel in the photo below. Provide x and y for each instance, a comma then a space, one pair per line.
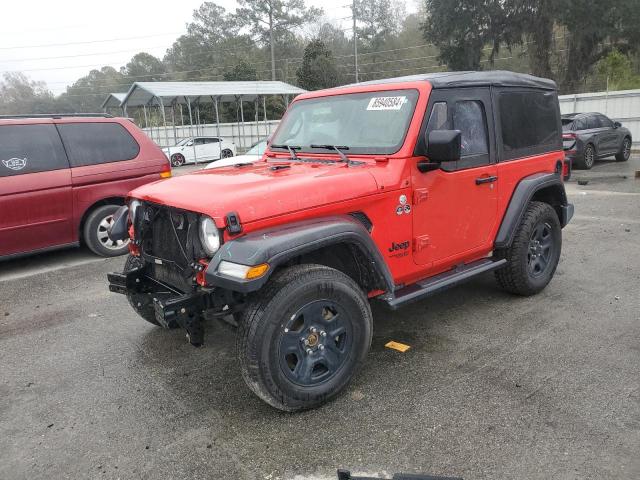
588, 158
177, 160
304, 336
625, 151
533, 256
226, 153
95, 233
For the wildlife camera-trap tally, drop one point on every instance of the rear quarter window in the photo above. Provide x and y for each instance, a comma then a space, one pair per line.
530, 123
97, 143
30, 149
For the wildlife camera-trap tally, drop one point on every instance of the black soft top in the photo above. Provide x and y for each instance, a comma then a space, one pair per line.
500, 78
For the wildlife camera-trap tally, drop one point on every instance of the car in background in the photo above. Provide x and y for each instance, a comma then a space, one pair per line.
199, 149
253, 155
589, 136
63, 177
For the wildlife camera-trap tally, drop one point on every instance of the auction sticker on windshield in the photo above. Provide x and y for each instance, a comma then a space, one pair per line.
387, 103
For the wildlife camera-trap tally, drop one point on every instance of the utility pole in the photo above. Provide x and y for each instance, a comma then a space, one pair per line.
273, 55
355, 37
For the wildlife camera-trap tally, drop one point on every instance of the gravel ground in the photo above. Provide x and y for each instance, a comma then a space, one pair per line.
494, 386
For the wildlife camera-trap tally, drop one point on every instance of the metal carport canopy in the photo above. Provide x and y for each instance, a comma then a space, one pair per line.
114, 100
143, 93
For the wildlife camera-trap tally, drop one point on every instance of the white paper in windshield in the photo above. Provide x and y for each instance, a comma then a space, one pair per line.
387, 103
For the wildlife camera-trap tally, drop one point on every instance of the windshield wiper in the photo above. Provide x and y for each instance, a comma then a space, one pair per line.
292, 150
337, 148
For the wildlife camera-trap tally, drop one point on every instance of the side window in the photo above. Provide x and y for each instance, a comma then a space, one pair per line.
213, 140
200, 141
592, 122
438, 120
96, 143
605, 122
30, 149
469, 118
579, 125
529, 122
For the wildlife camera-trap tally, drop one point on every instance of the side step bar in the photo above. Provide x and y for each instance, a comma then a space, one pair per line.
429, 286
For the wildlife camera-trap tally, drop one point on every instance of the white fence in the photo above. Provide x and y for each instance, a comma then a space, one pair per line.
622, 106
242, 135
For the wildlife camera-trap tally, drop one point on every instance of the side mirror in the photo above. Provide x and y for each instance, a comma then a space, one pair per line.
444, 146
617, 124
189, 144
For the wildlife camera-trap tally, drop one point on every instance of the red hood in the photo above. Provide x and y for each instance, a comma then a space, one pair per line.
256, 192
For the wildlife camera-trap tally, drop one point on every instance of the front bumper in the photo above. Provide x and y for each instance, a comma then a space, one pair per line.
566, 214
172, 307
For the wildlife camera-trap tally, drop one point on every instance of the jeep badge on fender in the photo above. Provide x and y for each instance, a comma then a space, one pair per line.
301, 256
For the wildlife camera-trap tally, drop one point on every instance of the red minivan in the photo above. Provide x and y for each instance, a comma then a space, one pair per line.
63, 177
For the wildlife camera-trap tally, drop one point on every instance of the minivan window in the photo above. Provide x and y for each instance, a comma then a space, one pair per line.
529, 123
30, 149
96, 143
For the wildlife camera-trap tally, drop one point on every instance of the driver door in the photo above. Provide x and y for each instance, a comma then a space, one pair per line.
455, 207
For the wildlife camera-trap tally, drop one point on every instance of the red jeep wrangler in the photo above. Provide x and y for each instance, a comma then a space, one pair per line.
393, 189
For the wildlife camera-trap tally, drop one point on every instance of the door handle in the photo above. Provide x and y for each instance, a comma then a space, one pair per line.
481, 180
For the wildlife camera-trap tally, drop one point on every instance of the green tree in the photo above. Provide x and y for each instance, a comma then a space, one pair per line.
20, 95
462, 29
617, 70
87, 93
318, 69
144, 67
241, 71
274, 20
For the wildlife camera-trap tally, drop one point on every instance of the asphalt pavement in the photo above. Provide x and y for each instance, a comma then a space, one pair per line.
494, 386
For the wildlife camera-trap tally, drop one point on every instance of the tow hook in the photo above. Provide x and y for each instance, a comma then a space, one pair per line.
187, 318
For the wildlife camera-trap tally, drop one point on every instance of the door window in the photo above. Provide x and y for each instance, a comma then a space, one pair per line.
212, 140
469, 118
96, 143
30, 149
199, 141
605, 122
592, 122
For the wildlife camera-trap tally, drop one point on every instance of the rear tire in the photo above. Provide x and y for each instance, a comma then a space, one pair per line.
625, 152
588, 159
226, 153
305, 303
95, 233
533, 256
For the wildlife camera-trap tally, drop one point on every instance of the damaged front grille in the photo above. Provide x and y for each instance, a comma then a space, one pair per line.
168, 240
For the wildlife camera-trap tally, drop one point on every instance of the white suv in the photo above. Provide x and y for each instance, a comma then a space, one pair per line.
199, 149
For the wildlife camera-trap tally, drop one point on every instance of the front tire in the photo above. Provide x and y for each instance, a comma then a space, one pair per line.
177, 160
95, 233
625, 151
533, 256
304, 336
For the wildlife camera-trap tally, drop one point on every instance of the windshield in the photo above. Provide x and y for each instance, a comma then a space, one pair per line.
258, 148
368, 123
184, 141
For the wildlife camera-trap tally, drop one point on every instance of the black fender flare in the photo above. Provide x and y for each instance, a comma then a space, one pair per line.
277, 245
522, 195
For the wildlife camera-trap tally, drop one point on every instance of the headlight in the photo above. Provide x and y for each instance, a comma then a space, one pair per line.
133, 207
209, 235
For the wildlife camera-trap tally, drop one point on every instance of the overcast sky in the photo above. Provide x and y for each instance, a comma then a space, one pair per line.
58, 42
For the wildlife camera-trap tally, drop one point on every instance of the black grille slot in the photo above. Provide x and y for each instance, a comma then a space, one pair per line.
169, 241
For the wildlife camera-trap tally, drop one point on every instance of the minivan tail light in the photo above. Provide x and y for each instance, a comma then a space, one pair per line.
166, 171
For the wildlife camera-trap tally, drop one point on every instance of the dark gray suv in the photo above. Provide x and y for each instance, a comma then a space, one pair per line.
590, 136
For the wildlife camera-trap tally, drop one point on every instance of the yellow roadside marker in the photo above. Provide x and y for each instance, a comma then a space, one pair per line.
401, 347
